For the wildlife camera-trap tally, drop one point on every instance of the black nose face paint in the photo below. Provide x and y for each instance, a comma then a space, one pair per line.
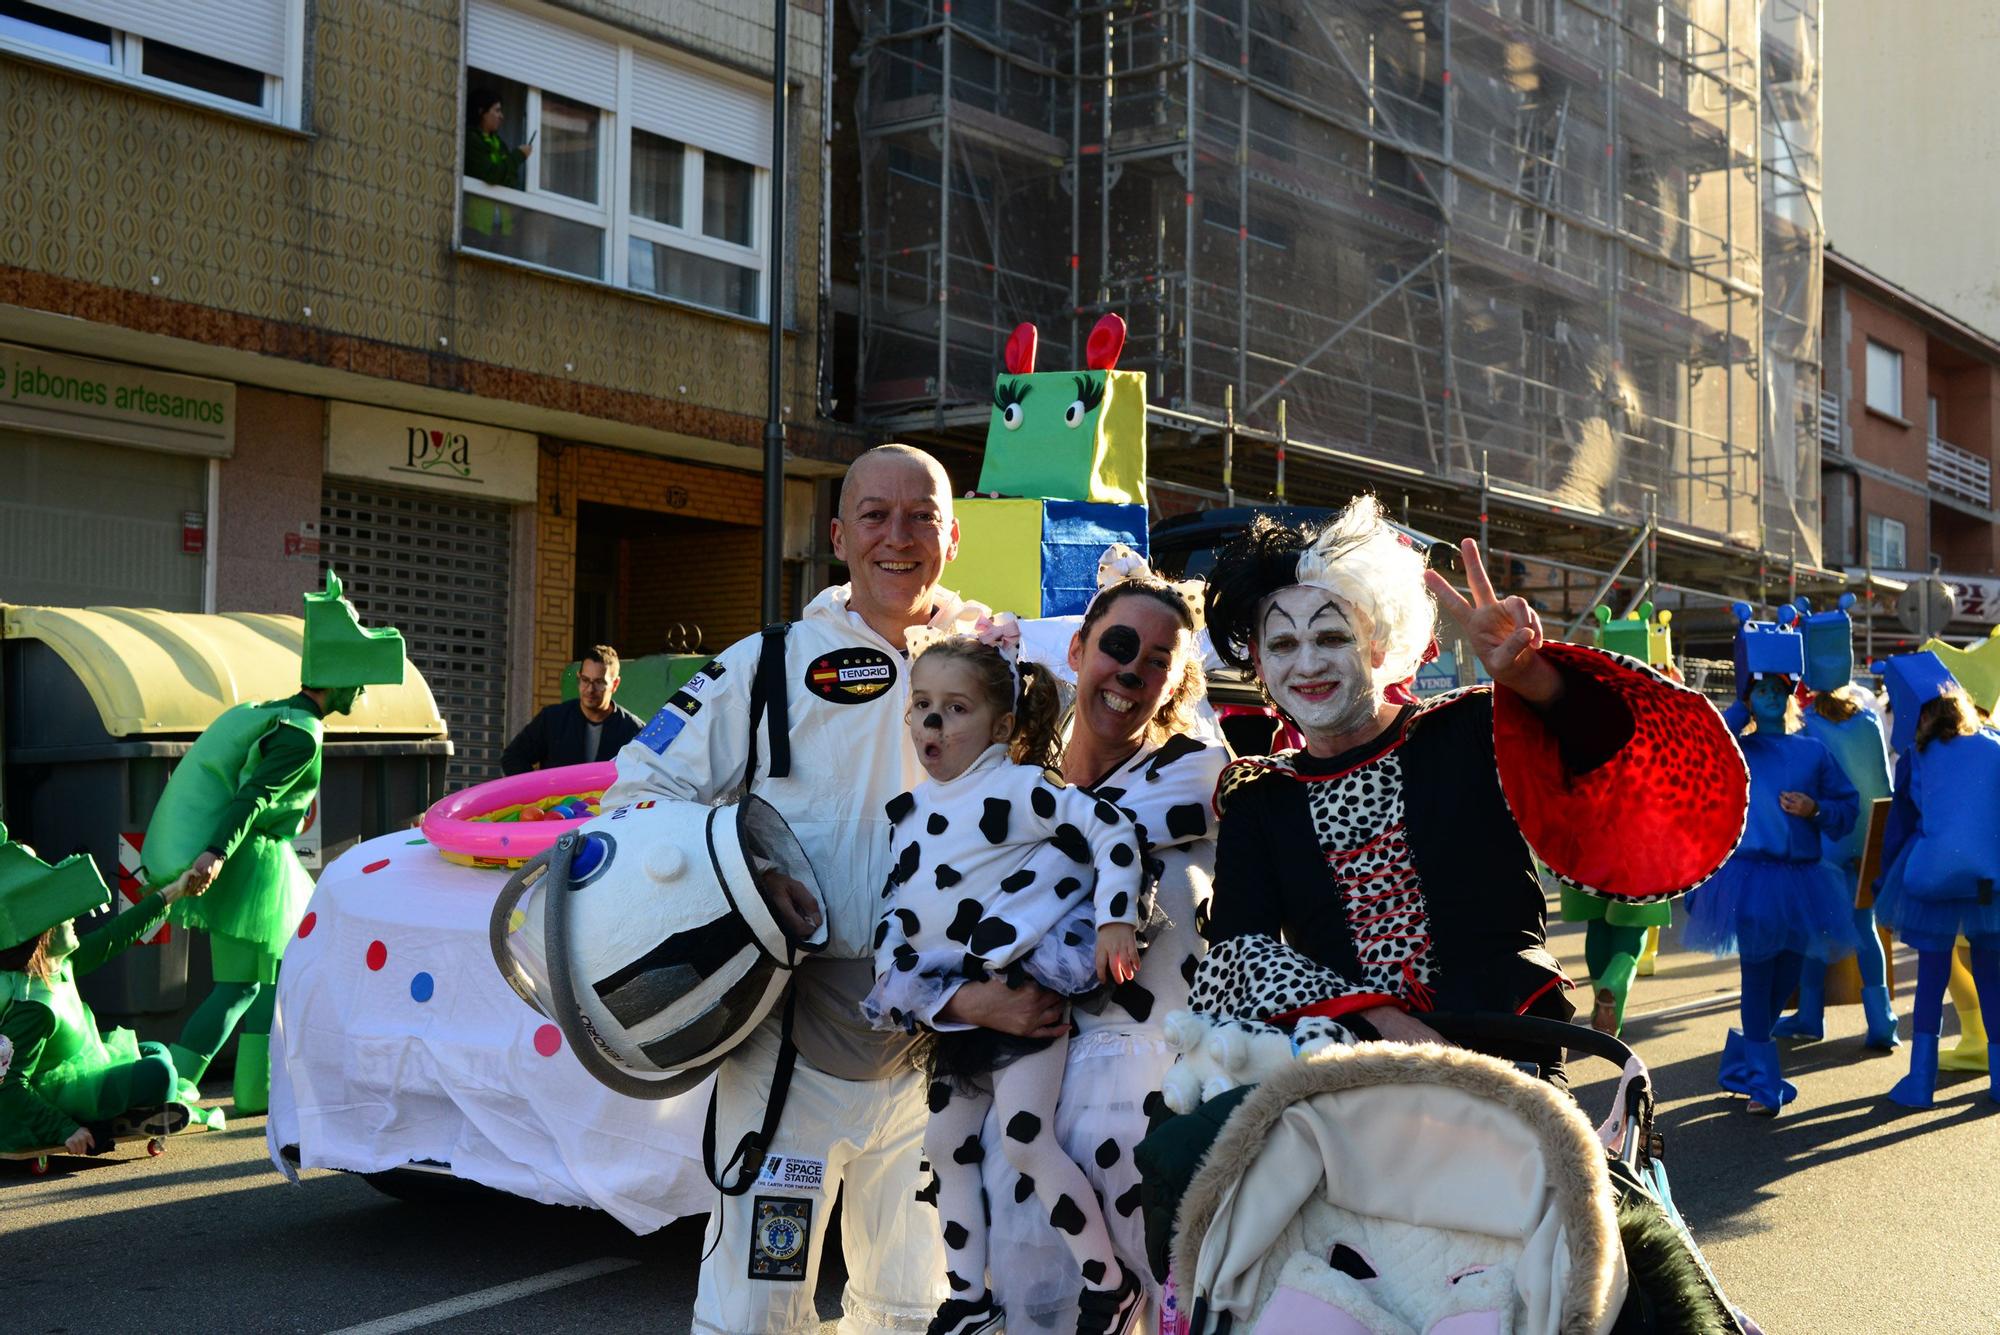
1120, 642
1130, 681
935, 722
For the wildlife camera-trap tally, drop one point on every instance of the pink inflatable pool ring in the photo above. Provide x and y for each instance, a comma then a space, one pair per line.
504, 822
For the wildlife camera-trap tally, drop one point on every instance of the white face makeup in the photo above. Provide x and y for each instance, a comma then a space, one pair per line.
1314, 658
951, 718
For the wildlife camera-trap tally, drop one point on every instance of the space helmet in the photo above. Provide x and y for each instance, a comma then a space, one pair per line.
648, 936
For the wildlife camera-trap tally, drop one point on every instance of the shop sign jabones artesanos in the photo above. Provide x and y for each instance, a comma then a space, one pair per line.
435, 453
60, 395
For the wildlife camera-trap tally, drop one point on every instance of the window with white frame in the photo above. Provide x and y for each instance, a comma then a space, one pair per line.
242, 56
587, 154
1885, 379
1888, 547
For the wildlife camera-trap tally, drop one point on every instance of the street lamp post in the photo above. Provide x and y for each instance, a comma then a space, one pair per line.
774, 283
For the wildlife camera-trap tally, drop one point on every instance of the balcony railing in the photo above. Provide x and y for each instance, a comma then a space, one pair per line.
1829, 421
1960, 473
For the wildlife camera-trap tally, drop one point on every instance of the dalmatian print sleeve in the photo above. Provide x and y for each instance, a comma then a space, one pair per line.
1259, 978
1088, 829
1168, 792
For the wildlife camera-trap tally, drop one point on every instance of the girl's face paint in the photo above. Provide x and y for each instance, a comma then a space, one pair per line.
1768, 696
1313, 656
952, 719
1134, 658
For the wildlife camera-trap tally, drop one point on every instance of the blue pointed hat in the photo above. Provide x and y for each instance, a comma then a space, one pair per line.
1914, 680
1829, 644
1767, 648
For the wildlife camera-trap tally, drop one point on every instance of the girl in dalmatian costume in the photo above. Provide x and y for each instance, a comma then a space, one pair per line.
1001, 872
1132, 737
1385, 870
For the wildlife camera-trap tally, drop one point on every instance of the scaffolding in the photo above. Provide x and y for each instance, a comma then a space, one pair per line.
1553, 264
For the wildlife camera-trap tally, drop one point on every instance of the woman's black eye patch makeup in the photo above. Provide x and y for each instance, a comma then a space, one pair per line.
1121, 643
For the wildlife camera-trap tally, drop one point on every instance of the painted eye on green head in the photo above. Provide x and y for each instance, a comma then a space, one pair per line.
1089, 393
1007, 397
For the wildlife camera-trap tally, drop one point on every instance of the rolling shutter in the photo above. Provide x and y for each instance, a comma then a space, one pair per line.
253, 33
541, 53
705, 110
435, 567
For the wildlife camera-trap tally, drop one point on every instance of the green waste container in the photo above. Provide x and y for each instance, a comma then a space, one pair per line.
98, 704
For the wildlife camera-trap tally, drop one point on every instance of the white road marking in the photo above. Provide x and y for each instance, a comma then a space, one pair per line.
484, 1298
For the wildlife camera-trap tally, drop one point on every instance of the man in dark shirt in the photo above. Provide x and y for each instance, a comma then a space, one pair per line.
576, 732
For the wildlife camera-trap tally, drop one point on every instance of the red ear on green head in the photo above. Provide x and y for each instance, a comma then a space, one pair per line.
1107, 340
1020, 353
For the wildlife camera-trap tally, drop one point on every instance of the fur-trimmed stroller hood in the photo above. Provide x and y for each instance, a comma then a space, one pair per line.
1423, 1138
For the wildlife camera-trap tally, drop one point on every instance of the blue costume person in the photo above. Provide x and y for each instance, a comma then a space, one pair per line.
1775, 903
1941, 851
1843, 719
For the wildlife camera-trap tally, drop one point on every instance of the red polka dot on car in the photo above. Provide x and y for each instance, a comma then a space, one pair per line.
307, 923
378, 954
548, 1040
375, 866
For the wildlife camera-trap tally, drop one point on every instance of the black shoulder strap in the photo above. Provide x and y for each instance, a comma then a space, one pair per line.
767, 692
747, 1163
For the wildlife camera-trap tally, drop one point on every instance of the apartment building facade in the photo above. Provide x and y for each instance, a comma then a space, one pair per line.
275, 295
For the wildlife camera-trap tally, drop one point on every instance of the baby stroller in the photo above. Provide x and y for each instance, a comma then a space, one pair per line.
1383, 1189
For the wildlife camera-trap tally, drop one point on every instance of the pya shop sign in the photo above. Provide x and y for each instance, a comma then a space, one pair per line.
435, 453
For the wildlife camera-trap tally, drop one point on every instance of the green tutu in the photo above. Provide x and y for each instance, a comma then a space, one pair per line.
259, 898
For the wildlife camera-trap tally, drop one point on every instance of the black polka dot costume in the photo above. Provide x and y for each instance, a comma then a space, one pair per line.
1002, 872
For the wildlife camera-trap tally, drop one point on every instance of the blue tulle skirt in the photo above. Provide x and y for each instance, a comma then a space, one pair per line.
1759, 907
1933, 924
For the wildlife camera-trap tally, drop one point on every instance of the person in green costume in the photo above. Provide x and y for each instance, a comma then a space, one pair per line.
65, 1083
1614, 934
489, 158
228, 817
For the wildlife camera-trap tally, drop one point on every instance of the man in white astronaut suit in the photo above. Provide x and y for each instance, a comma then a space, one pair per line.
853, 1121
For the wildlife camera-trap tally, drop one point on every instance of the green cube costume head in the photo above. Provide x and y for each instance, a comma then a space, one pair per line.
1068, 435
1640, 635
340, 652
35, 896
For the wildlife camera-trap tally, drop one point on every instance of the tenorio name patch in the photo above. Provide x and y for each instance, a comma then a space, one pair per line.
851, 676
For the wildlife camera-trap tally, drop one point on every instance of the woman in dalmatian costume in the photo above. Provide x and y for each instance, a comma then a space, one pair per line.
1131, 738
1001, 872
1385, 870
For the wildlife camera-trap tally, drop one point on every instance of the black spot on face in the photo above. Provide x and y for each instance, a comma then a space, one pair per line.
1017, 881
956, 1235
1069, 841
1023, 1126
991, 935
963, 922
934, 722
947, 876
993, 822
1066, 1217
1119, 643
1043, 800
1187, 821
1107, 1153
900, 806
937, 824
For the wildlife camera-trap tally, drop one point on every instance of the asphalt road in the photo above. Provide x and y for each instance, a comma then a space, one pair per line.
1846, 1214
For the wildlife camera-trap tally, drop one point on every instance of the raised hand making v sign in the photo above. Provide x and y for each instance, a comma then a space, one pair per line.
1506, 633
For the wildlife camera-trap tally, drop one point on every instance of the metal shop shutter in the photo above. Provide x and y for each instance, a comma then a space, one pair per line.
435, 567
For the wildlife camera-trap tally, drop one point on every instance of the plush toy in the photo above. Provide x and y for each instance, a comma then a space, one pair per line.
1641, 634
1073, 435
1215, 1056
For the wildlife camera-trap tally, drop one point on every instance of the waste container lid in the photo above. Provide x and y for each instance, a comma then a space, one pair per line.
149, 671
